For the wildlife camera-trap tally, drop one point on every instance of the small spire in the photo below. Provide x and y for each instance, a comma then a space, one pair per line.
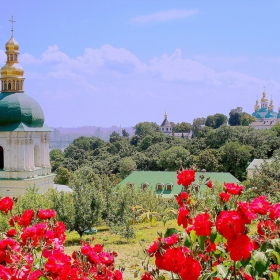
165, 116
12, 21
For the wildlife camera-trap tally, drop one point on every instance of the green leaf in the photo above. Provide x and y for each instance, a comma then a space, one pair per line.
187, 241
277, 256
261, 262
276, 244
193, 235
170, 231
275, 276
218, 238
201, 240
213, 234
223, 271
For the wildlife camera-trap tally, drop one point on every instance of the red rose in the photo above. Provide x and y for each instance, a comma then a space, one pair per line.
171, 240
146, 276
224, 197
172, 260
152, 249
209, 184
191, 269
260, 205
244, 210
240, 247
6, 204
182, 217
183, 198
186, 177
45, 214
202, 224
232, 188
26, 218
267, 229
274, 211
230, 223
11, 232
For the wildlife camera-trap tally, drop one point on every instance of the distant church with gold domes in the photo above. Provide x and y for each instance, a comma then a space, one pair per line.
264, 114
24, 138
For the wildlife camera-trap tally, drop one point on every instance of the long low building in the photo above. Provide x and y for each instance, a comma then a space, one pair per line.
165, 182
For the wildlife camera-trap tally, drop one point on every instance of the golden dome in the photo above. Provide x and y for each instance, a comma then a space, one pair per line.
12, 44
264, 99
12, 70
257, 107
12, 73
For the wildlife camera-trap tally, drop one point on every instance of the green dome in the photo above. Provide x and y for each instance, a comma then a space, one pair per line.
256, 115
18, 108
269, 115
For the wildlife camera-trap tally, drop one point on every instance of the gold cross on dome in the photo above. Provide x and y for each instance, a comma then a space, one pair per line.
12, 21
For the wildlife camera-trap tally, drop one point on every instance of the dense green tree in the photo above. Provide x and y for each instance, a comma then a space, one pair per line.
208, 160
87, 199
145, 143
181, 127
235, 116
210, 121
235, 158
125, 133
276, 128
246, 119
56, 154
266, 180
174, 158
126, 166
197, 124
114, 137
63, 176
146, 128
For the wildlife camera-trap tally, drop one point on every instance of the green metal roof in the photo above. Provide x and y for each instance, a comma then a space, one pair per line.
165, 177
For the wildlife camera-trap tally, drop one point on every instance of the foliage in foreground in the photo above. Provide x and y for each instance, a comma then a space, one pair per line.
33, 249
217, 243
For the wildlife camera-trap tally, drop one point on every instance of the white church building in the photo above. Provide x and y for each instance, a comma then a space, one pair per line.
24, 138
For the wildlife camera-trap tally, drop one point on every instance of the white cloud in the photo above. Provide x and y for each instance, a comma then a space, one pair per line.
111, 84
164, 16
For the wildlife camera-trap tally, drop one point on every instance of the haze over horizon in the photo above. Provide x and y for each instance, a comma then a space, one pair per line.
105, 63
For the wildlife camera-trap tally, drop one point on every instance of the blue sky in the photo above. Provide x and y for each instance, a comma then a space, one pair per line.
107, 63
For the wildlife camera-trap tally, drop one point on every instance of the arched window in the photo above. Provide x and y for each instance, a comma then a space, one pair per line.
21, 85
9, 85
169, 186
160, 186
5, 85
15, 56
37, 156
144, 186
17, 85
1, 158
11, 57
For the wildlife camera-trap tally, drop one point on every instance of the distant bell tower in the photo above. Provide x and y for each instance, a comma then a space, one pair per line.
166, 127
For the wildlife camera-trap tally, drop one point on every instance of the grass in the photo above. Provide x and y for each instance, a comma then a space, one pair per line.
130, 254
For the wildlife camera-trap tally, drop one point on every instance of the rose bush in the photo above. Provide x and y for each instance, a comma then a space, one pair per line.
233, 240
33, 249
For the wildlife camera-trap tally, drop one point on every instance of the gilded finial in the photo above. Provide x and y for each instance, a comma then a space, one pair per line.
12, 21
257, 107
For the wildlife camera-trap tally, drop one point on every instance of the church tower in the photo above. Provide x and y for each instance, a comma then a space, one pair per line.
166, 126
24, 138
